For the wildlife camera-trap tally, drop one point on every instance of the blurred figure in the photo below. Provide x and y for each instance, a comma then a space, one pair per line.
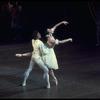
16, 10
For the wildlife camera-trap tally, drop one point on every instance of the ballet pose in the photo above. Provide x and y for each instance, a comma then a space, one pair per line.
49, 60
51, 64
50, 32
39, 49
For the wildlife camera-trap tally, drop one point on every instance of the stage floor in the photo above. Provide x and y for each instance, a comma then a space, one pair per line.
78, 74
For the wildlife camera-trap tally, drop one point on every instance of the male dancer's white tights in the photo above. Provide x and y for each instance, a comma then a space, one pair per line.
41, 64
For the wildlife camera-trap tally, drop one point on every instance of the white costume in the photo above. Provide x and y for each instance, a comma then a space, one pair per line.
50, 59
38, 49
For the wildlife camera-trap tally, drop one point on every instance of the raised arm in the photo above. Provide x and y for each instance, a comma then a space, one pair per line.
62, 22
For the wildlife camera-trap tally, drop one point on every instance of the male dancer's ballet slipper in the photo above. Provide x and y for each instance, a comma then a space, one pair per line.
18, 55
24, 84
48, 86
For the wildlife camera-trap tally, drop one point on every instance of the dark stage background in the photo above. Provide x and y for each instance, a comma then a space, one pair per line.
38, 15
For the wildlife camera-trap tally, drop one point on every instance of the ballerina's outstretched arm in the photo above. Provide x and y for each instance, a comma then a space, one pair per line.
24, 54
63, 41
62, 22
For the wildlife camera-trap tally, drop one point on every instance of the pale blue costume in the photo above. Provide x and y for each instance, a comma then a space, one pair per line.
38, 50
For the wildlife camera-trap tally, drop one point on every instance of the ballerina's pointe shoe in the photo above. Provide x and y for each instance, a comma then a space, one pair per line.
56, 81
18, 55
